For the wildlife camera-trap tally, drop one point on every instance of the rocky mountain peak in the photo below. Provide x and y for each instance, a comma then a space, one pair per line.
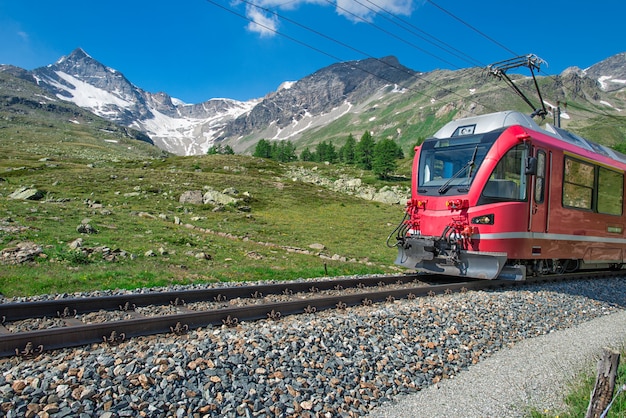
75, 56
337, 86
610, 73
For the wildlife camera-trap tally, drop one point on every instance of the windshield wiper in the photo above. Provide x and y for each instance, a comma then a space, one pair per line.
470, 164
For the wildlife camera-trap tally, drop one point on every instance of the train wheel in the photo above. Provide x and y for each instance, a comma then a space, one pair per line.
570, 266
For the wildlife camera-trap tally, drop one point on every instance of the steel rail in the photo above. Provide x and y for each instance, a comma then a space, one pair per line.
16, 311
31, 343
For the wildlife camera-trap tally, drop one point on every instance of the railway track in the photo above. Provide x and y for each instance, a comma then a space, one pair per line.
180, 311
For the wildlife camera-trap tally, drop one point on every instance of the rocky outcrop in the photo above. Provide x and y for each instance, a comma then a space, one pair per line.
27, 193
352, 186
23, 252
610, 73
228, 196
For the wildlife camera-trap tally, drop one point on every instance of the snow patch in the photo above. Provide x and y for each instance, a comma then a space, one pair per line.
86, 95
286, 85
610, 105
606, 79
46, 97
178, 102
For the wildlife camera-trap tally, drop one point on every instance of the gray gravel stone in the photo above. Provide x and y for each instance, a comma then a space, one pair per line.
535, 373
334, 363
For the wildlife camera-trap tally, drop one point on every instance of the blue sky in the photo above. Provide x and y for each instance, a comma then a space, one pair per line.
195, 50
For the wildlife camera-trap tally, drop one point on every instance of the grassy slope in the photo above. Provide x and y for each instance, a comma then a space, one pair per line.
134, 193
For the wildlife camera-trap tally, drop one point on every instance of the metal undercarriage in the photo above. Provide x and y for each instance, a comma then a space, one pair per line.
433, 255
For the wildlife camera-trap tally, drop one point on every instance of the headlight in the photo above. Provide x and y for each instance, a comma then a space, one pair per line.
483, 219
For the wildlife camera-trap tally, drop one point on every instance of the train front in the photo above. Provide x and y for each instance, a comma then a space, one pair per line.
462, 182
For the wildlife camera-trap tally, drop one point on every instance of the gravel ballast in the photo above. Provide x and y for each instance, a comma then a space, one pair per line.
351, 362
535, 373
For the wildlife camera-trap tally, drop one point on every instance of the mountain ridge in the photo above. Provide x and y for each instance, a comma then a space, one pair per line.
336, 100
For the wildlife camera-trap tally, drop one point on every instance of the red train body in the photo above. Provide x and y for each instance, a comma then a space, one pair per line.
496, 196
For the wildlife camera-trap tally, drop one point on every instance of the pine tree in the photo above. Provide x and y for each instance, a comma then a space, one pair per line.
263, 149
364, 151
346, 153
284, 151
325, 151
385, 156
306, 155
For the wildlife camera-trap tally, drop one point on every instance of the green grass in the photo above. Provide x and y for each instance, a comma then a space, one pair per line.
577, 400
133, 204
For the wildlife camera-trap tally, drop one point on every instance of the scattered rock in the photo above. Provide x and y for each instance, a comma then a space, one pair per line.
146, 215
21, 253
231, 191
27, 193
76, 244
85, 228
217, 198
317, 246
192, 196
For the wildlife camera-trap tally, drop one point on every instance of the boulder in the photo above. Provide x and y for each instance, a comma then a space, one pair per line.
216, 198
21, 253
191, 196
27, 193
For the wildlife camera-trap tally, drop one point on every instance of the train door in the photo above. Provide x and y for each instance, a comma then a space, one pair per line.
540, 199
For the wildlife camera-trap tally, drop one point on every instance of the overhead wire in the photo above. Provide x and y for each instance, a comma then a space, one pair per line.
408, 27
412, 29
471, 27
343, 44
354, 15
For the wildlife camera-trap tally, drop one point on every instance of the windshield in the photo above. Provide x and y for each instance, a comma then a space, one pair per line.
449, 165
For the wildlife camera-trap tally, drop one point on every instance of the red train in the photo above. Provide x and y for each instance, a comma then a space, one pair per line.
496, 196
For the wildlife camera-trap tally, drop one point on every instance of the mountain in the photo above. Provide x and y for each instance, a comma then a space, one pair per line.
33, 121
174, 126
610, 73
378, 95
317, 99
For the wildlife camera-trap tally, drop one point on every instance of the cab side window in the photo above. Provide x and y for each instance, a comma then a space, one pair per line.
540, 180
507, 181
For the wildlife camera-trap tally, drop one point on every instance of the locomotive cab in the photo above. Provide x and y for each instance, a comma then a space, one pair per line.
470, 180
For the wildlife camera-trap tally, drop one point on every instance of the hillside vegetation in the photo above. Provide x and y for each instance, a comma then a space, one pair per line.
110, 216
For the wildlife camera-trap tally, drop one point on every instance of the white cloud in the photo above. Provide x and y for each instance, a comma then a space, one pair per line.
266, 23
366, 9
261, 23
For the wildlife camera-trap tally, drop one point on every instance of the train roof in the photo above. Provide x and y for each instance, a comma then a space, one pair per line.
492, 121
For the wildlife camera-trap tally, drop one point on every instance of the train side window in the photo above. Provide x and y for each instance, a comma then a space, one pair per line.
540, 179
610, 191
507, 181
579, 179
